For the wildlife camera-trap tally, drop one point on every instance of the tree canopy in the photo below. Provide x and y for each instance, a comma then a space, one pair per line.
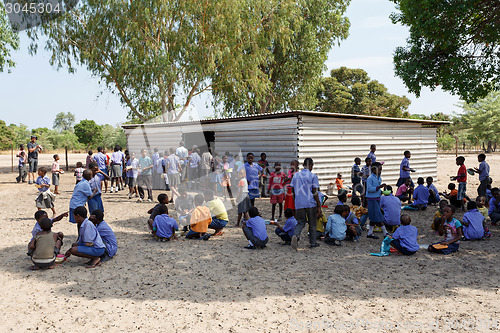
352, 91
453, 44
9, 40
159, 54
88, 132
64, 121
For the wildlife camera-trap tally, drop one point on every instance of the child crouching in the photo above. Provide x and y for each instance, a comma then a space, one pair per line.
45, 246
404, 239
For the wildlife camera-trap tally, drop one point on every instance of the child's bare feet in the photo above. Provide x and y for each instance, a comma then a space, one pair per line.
94, 263
34, 268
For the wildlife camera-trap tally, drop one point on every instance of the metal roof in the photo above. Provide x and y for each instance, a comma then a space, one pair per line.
292, 113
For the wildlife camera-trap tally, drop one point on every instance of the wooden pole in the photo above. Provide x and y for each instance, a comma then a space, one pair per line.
456, 147
66, 153
12, 158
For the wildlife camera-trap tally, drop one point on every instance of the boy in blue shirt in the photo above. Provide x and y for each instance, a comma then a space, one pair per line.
494, 211
253, 172
106, 233
286, 233
484, 175
335, 231
89, 244
391, 206
404, 170
81, 194
434, 197
255, 230
356, 177
420, 195
164, 227
404, 239
473, 222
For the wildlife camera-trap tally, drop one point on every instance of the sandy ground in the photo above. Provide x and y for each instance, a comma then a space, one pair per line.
217, 285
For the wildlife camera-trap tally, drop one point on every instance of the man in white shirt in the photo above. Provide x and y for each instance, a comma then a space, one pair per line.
183, 154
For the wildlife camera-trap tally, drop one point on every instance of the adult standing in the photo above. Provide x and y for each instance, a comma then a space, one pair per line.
172, 167
183, 154
305, 188
156, 178
117, 160
145, 178
33, 150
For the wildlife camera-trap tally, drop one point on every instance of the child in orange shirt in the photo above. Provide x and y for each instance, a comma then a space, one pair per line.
200, 219
453, 196
340, 183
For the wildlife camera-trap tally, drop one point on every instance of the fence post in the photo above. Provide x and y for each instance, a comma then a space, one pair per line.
66, 153
12, 158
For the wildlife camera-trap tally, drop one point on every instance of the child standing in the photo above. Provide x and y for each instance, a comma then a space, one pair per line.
264, 164
226, 178
200, 219
276, 189
286, 233
404, 170
107, 235
451, 228
242, 197
22, 166
81, 194
365, 171
132, 173
484, 174
335, 231
45, 246
373, 193
356, 177
289, 202
253, 171
404, 239
433, 192
473, 224
95, 200
163, 226
45, 198
461, 178
56, 171
78, 172
89, 244
255, 230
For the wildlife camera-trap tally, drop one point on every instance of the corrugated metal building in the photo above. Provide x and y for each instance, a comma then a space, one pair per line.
332, 140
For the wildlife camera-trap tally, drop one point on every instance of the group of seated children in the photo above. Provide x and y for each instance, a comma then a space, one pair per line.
96, 240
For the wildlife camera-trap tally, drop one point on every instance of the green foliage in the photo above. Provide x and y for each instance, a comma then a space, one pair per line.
446, 142
88, 132
9, 40
352, 91
64, 121
21, 134
112, 136
453, 44
6, 136
482, 118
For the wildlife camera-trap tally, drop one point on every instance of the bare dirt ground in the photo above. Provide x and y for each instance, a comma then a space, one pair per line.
217, 285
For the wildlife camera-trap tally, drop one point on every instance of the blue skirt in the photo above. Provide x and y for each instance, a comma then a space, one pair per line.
95, 203
374, 212
254, 193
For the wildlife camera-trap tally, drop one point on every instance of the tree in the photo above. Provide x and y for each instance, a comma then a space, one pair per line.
482, 119
6, 136
351, 91
88, 132
453, 44
21, 133
9, 40
112, 136
293, 68
157, 54
64, 121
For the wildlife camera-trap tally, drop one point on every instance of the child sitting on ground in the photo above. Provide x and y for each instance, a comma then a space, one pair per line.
404, 239
200, 219
473, 224
276, 190
286, 233
420, 195
155, 211
39, 215
89, 244
218, 212
439, 213
45, 246
339, 182
433, 192
255, 230
353, 229
163, 226
78, 172
391, 206
482, 206
452, 196
106, 233
451, 228
342, 197
184, 206
45, 198
405, 191
335, 230
359, 211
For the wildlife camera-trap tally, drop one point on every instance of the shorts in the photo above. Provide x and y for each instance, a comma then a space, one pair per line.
244, 205
462, 187
91, 251
105, 170
174, 179
33, 165
277, 198
396, 243
55, 179
116, 171
217, 223
254, 193
132, 182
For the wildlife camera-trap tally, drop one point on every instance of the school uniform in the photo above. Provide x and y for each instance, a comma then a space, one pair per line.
404, 174
89, 234
484, 178
96, 201
433, 194
356, 180
252, 174
109, 238
45, 198
303, 183
373, 198
256, 232
163, 226
287, 233
420, 197
335, 229
172, 164
101, 159
475, 219
494, 211
391, 206
405, 239
81, 192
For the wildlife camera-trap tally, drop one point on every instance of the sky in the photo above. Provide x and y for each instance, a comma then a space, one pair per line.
34, 92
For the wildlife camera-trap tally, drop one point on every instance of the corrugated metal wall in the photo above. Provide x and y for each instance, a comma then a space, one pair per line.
276, 137
333, 144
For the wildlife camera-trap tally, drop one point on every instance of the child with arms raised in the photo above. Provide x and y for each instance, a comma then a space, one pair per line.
45, 245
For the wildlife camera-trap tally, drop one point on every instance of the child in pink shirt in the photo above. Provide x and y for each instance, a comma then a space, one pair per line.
276, 189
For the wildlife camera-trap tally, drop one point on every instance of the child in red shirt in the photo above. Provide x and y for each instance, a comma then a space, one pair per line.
276, 189
461, 178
